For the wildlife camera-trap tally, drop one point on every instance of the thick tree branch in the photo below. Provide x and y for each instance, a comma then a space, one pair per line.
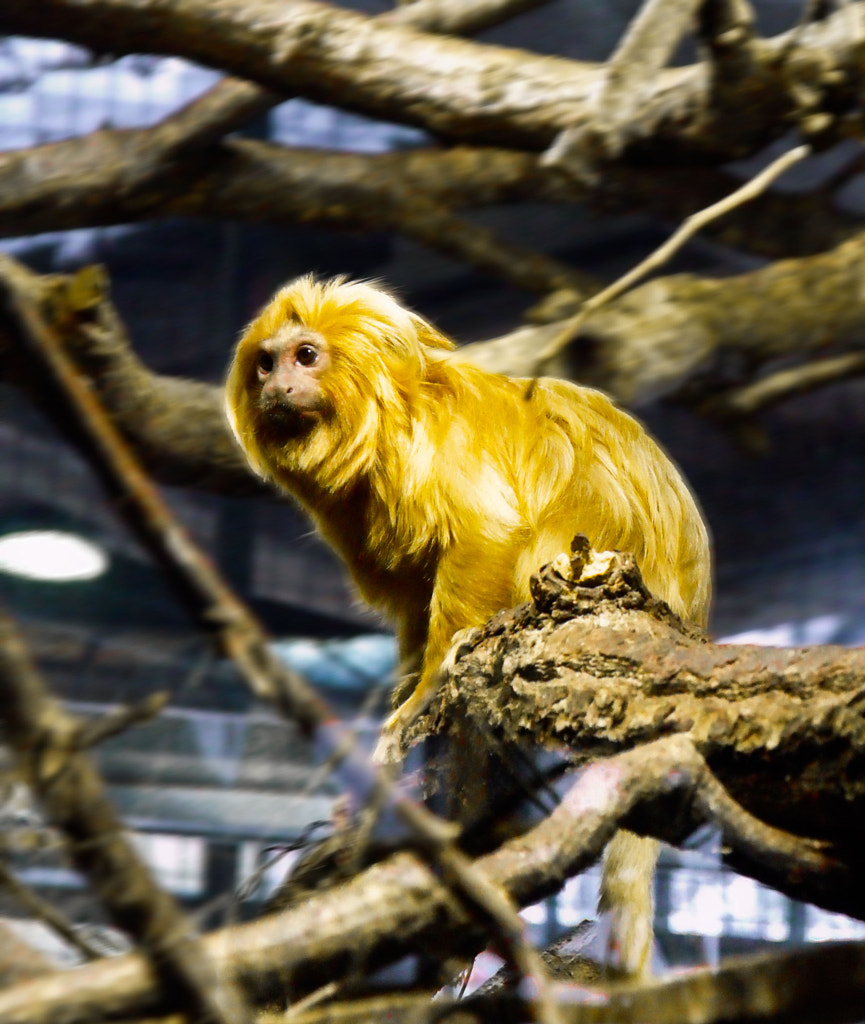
593, 663
818, 985
170, 423
173, 169
626, 82
451, 87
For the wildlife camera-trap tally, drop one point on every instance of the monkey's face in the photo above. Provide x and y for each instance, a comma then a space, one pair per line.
288, 371
320, 376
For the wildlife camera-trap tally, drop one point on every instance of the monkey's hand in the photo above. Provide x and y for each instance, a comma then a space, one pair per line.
392, 742
388, 750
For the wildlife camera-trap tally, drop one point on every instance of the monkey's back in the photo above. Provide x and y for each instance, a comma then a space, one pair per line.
552, 459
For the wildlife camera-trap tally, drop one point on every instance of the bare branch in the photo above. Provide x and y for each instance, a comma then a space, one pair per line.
117, 176
586, 668
817, 985
675, 335
302, 1006
319, 940
122, 718
498, 913
231, 103
100, 179
198, 125
316, 941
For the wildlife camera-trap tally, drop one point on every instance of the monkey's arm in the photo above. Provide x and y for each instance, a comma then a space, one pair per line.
474, 580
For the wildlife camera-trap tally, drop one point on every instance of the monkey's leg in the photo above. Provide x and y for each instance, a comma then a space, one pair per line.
627, 898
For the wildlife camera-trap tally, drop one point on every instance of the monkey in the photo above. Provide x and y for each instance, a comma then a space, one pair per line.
444, 487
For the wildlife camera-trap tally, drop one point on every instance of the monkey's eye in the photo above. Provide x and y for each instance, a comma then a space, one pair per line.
265, 362
307, 355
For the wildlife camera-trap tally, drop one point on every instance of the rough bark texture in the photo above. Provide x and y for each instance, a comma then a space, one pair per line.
766, 745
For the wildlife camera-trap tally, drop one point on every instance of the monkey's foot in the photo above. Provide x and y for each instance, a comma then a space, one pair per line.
388, 750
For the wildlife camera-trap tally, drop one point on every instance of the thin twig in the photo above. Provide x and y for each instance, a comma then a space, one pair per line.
500, 915
750, 190
46, 912
796, 380
122, 718
313, 999
233, 102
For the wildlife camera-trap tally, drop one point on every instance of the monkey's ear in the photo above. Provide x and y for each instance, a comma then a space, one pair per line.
429, 337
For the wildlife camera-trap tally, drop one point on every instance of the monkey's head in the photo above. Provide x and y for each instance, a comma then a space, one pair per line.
320, 373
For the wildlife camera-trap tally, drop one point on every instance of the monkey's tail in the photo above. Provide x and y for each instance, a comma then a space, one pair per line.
627, 900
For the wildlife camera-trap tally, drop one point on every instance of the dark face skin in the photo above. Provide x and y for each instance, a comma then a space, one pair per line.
289, 367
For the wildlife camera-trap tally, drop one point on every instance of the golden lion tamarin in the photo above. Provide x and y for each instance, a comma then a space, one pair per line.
445, 487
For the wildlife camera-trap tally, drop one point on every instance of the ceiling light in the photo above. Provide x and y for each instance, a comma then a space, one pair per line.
51, 555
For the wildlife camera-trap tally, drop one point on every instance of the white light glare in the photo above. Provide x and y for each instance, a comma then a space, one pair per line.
51, 555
